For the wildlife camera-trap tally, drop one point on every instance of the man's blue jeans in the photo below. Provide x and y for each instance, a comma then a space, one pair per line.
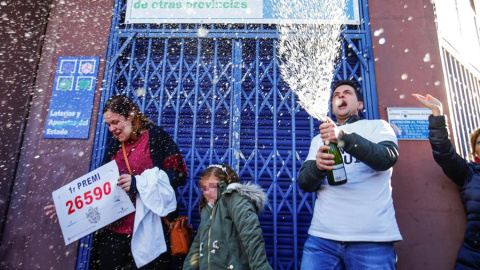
324, 254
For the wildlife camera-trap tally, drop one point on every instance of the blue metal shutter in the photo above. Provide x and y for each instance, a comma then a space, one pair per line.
222, 99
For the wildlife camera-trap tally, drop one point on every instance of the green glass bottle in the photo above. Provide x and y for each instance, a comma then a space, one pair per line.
337, 176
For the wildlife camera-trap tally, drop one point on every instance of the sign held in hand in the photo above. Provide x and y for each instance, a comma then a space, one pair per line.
91, 202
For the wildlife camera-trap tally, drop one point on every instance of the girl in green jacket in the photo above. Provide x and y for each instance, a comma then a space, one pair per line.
229, 235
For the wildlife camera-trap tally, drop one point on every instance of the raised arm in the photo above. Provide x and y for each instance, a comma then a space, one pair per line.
452, 164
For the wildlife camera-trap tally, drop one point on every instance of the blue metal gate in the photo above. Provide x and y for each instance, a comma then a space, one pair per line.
222, 99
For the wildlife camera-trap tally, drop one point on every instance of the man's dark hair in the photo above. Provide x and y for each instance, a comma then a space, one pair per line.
353, 84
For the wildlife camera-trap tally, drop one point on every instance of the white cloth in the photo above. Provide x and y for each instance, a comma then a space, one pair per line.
155, 199
362, 209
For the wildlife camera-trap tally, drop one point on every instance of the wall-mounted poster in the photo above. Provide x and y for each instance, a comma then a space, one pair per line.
70, 109
409, 123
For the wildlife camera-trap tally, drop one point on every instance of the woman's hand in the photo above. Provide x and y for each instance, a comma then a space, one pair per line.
51, 212
125, 181
430, 102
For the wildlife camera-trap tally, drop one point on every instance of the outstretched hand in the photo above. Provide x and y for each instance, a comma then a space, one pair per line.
51, 212
430, 102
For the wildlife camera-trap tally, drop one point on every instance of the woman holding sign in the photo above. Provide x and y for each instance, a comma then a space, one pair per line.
145, 155
465, 173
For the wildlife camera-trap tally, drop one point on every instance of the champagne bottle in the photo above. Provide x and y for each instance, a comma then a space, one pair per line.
337, 176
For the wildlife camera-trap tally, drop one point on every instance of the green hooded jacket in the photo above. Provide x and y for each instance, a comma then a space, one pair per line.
229, 235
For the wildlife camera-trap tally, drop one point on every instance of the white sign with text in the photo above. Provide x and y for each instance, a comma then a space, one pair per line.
154, 11
225, 11
91, 202
409, 123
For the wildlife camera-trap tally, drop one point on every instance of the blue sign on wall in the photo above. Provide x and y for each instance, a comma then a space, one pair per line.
71, 103
409, 123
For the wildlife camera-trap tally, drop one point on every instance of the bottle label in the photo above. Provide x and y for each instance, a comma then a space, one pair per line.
339, 172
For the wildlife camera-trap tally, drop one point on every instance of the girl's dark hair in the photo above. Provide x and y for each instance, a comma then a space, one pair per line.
473, 141
230, 176
125, 107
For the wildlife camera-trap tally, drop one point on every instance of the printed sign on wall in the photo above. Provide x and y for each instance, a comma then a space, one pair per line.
70, 109
409, 123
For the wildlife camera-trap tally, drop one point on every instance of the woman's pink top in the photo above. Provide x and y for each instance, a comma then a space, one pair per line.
138, 153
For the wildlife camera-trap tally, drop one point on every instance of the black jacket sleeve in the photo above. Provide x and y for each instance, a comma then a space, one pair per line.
379, 156
310, 177
453, 165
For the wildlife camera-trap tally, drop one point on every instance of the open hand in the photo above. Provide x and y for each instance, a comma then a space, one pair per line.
430, 102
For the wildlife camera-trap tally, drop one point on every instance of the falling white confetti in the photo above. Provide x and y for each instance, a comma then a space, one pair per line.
426, 58
202, 32
378, 32
140, 92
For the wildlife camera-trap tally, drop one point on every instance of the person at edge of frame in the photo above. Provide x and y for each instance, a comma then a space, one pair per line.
464, 173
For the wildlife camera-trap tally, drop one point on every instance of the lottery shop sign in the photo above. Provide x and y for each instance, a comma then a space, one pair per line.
91, 202
72, 97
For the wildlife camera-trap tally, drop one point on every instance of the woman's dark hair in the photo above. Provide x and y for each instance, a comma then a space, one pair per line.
223, 172
125, 107
473, 142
